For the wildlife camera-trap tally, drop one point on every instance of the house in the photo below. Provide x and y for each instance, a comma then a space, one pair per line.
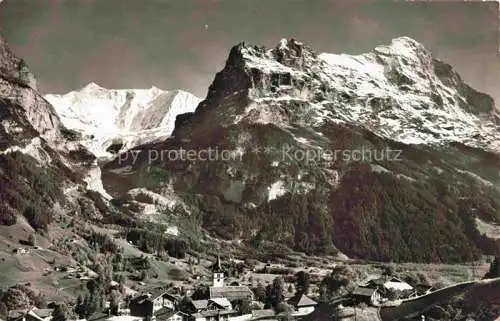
141, 306
219, 290
396, 289
302, 304
391, 287
395, 284
147, 304
36, 314
366, 295
163, 299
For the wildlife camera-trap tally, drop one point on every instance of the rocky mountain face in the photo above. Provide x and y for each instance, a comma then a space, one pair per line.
113, 121
387, 155
44, 172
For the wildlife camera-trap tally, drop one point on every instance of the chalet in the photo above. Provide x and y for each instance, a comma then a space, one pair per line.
147, 304
219, 290
302, 304
391, 287
141, 306
397, 289
395, 284
36, 314
366, 295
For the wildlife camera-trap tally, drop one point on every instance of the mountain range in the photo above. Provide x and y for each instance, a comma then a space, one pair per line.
113, 121
435, 177
387, 155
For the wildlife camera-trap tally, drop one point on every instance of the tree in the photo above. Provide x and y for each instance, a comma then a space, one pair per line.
186, 306
201, 292
32, 240
290, 288
243, 306
302, 282
388, 270
80, 307
114, 301
275, 293
285, 312
260, 292
336, 282
3, 310
60, 312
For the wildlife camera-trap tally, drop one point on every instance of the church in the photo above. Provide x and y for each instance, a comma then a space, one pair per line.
220, 290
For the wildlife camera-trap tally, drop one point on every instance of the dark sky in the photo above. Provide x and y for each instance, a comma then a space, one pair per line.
141, 43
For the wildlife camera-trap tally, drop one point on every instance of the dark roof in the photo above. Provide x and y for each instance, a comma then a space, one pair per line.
141, 299
378, 282
361, 291
301, 300
42, 313
97, 316
165, 313
157, 292
172, 297
221, 302
200, 304
231, 292
212, 313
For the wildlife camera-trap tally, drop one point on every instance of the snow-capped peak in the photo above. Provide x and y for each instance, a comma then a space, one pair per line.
398, 91
123, 117
92, 86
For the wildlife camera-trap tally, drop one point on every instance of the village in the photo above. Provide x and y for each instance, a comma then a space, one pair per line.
220, 297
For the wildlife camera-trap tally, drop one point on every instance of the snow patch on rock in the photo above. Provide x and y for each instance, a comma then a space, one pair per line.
121, 118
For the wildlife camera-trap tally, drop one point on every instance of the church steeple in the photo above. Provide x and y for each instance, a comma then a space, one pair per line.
218, 273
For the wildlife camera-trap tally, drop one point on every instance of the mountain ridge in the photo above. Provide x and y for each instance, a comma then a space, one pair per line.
290, 97
131, 116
